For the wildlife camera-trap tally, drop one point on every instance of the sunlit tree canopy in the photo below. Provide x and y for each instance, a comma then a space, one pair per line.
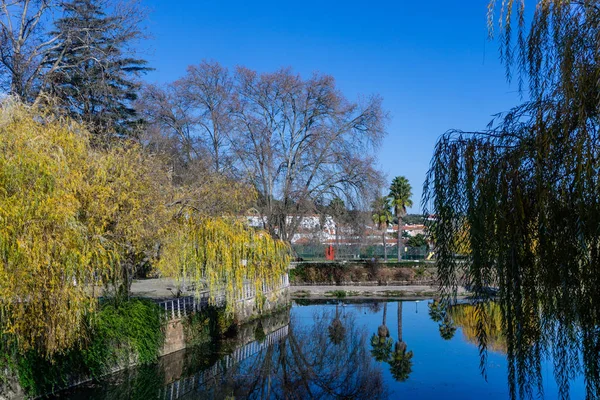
76, 221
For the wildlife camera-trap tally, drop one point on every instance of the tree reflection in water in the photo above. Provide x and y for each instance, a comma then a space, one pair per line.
337, 331
326, 359
547, 333
399, 360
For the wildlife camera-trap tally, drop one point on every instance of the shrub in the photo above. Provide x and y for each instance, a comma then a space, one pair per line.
118, 332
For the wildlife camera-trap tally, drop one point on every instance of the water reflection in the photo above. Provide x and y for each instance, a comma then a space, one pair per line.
399, 360
529, 345
325, 358
355, 351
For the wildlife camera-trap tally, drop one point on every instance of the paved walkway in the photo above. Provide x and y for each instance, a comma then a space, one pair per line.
371, 292
159, 288
166, 288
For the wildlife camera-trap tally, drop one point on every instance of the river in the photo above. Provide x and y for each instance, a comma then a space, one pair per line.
336, 349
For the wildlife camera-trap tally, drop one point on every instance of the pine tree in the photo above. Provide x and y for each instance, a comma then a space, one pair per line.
96, 81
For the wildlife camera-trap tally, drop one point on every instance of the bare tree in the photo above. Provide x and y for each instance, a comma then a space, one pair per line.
302, 140
167, 110
33, 56
208, 88
24, 45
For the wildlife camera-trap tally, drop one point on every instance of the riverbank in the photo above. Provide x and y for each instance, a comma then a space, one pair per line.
358, 273
404, 292
137, 332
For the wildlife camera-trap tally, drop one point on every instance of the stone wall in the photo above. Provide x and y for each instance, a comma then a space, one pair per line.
9, 387
246, 310
249, 308
174, 337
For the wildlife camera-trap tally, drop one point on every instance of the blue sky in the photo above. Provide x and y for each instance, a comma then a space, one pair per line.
431, 61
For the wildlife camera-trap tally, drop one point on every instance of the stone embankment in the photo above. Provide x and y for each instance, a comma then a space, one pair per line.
404, 292
177, 311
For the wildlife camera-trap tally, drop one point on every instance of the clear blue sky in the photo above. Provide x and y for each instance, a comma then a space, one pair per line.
431, 61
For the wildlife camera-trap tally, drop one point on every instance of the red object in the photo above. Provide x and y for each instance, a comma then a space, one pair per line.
330, 253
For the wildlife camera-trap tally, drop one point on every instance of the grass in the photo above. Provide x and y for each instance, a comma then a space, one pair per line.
301, 293
340, 294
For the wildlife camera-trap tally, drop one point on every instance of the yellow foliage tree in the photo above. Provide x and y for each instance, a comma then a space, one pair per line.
473, 320
49, 254
222, 254
73, 218
127, 203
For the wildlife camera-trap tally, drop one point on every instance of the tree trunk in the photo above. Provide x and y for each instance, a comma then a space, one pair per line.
337, 241
384, 313
399, 321
383, 330
400, 243
384, 247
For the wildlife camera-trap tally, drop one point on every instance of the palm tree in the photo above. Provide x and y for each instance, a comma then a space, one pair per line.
400, 362
382, 343
381, 348
447, 328
400, 193
400, 321
383, 330
382, 216
436, 311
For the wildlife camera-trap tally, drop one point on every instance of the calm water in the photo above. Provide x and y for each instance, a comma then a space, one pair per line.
331, 350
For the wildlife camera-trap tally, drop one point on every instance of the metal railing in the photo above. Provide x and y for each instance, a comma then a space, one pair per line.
316, 252
183, 306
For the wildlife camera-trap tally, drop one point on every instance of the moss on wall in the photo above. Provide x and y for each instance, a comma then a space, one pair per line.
117, 334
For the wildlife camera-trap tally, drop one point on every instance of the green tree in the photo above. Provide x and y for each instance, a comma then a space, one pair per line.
96, 82
381, 348
400, 193
447, 328
400, 361
381, 343
417, 241
382, 216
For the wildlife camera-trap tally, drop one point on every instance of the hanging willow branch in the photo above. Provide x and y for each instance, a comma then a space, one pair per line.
223, 254
517, 206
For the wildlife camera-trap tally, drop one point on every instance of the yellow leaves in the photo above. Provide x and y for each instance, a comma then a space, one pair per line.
222, 254
49, 255
473, 318
70, 214
462, 241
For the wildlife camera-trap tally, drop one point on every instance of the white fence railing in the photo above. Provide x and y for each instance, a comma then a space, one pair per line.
183, 306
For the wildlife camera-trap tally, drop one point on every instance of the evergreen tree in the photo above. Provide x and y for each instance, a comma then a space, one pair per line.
96, 81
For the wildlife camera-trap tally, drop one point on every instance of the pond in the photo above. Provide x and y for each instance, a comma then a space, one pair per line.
352, 350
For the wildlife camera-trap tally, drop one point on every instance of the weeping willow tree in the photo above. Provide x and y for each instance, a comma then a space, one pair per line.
527, 191
49, 254
466, 316
223, 254
75, 222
